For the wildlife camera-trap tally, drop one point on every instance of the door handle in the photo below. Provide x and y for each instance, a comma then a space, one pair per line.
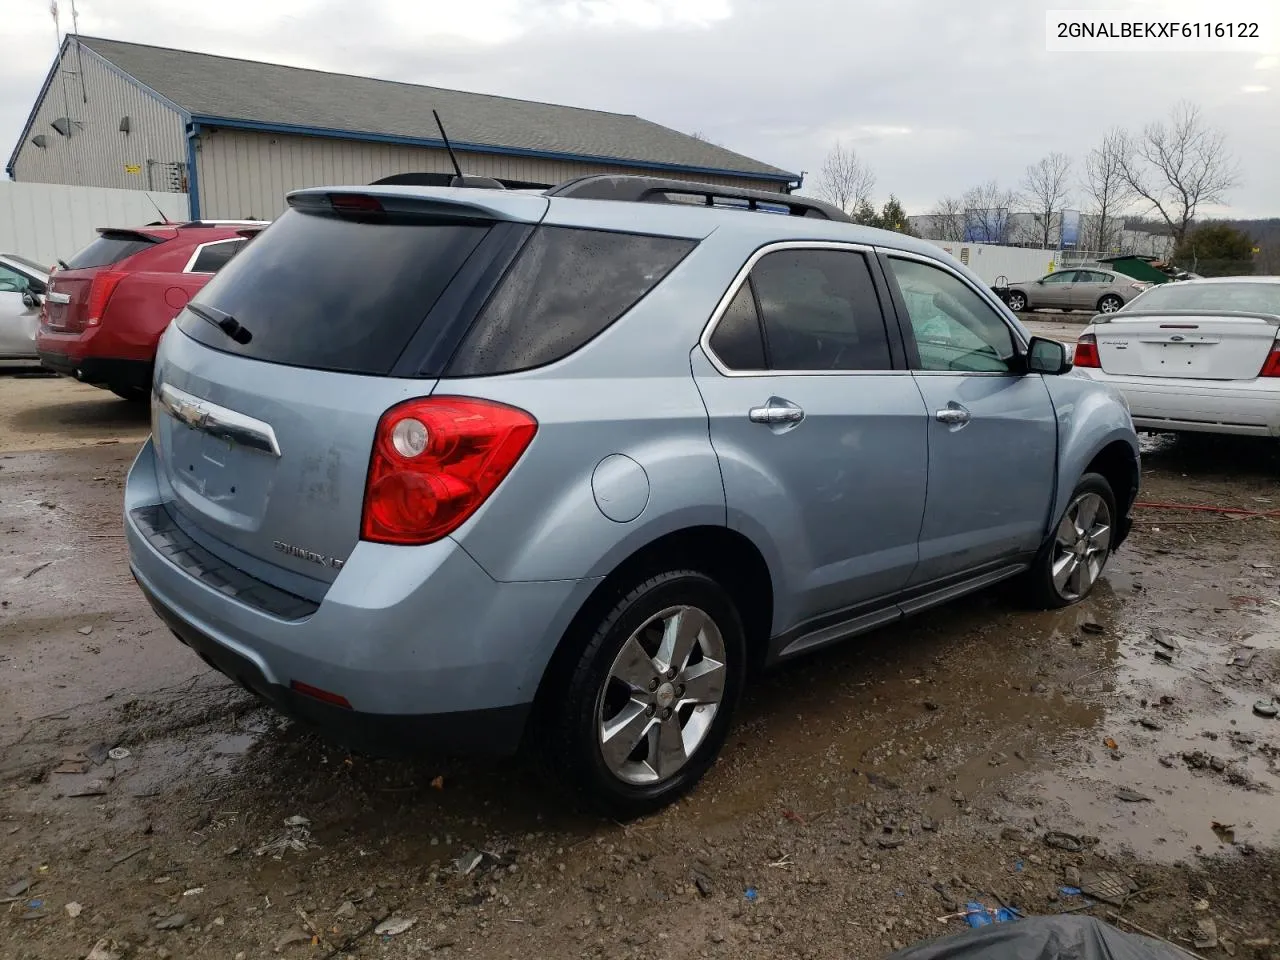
776, 410
953, 415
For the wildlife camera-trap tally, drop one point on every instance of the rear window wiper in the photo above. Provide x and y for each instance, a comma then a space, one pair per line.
223, 321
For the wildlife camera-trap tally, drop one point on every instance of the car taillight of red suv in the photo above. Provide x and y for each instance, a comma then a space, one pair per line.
109, 304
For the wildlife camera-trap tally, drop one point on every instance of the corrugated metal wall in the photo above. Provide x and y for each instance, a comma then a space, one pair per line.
97, 153
243, 174
45, 221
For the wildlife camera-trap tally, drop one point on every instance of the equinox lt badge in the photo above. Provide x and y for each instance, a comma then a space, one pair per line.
320, 558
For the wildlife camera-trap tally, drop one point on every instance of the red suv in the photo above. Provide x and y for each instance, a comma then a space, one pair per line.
107, 307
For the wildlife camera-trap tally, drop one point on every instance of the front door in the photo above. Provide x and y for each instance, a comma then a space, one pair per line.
1055, 290
992, 428
821, 436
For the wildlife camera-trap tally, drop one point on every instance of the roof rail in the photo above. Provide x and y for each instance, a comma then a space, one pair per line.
658, 190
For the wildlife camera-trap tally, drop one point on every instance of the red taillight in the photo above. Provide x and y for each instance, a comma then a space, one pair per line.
324, 696
100, 290
1272, 367
1087, 351
435, 460
354, 203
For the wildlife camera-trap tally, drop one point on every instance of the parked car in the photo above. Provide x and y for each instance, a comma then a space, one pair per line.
108, 305
22, 283
1199, 356
435, 467
1098, 291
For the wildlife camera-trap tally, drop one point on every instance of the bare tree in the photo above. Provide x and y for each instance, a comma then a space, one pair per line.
844, 180
1108, 192
1176, 166
699, 135
1045, 189
946, 221
986, 211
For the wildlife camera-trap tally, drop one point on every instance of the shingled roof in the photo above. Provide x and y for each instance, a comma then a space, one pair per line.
213, 88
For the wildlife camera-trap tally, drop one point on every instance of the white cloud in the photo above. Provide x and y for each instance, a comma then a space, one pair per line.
936, 96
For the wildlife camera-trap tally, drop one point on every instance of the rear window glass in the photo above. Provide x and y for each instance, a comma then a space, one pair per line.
331, 293
110, 248
1210, 297
567, 286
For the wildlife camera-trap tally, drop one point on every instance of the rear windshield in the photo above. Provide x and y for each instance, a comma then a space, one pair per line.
333, 294
110, 248
1210, 297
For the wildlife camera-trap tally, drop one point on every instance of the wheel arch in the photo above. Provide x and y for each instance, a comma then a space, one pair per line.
727, 556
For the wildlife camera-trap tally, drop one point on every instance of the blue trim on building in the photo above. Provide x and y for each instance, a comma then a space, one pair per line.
265, 127
193, 172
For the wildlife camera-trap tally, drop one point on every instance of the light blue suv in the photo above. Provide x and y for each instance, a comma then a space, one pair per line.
433, 468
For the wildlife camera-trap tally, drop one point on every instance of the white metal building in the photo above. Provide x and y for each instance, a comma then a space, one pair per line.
237, 135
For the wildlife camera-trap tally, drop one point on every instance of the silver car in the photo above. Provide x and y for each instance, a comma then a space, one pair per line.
445, 469
1092, 289
22, 283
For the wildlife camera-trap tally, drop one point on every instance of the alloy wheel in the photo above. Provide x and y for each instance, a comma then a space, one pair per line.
1109, 305
661, 695
1081, 545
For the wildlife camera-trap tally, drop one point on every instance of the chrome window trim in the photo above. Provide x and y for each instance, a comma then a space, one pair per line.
195, 254
740, 278
218, 421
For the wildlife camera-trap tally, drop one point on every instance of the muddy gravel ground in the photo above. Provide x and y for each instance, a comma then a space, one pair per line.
979, 753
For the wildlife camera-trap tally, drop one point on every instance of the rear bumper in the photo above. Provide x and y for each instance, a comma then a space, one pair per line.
98, 371
1245, 408
495, 731
432, 654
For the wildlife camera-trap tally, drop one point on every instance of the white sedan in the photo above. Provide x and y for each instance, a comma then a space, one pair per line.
1198, 356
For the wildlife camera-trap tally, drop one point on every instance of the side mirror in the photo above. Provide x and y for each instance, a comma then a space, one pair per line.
30, 299
1041, 281
1047, 356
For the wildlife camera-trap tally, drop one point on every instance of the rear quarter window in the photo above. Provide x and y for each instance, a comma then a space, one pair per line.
566, 287
110, 248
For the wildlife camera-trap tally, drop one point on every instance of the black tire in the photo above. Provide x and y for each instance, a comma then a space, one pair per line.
1018, 301
572, 743
132, 394
1112, 301
1044, 593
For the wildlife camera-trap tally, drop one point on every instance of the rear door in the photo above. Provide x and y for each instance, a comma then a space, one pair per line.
820, 434
1088, 288
273, 379
992, 429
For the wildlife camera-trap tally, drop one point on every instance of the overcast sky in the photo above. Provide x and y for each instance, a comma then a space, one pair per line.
935, 95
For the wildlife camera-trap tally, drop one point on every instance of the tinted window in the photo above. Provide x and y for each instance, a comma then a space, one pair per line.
820, 311
737, 340
215, 255
110, 248
333, 294
1066, 276
565, 288
955, 329
1249, 297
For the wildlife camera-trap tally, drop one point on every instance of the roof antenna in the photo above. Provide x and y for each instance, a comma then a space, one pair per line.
163, 218
462, 180
457, 169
